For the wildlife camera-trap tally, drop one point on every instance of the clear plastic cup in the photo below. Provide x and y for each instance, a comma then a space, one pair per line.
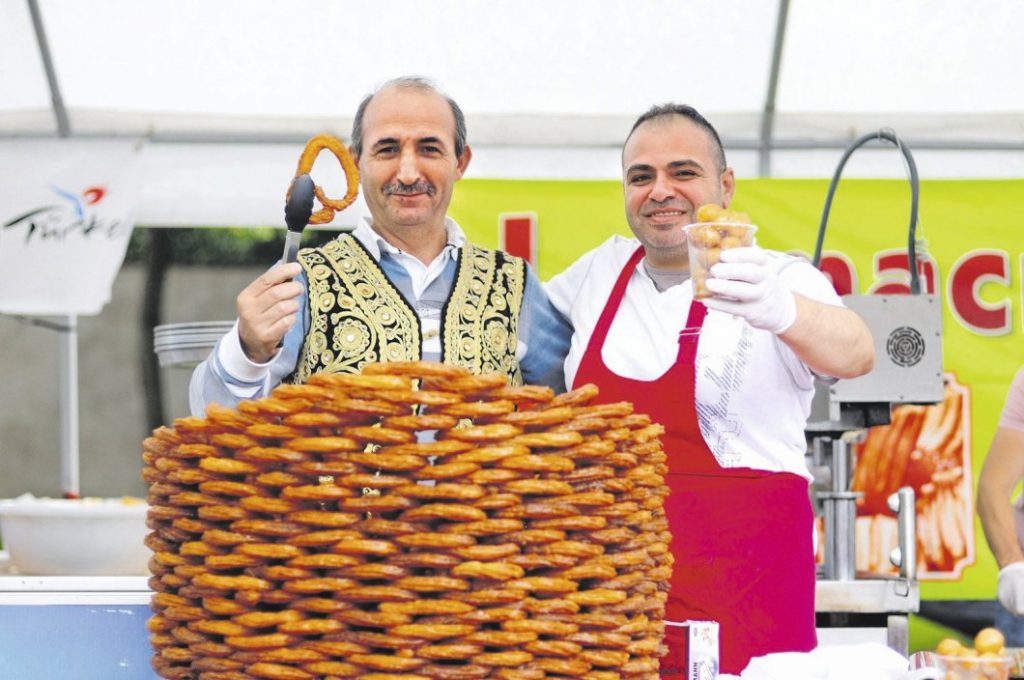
706, 242
975, 668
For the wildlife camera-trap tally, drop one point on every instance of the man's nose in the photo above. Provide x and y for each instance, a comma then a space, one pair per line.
408, 168
661, 189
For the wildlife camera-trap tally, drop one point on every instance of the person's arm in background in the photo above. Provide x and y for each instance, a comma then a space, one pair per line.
1003, 469
829, 338
546, 335
262, 348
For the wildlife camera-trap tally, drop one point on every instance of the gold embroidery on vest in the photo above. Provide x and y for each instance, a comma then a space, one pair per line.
480, 328
356, 315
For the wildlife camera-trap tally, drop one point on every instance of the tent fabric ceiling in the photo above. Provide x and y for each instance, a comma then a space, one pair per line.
550, 87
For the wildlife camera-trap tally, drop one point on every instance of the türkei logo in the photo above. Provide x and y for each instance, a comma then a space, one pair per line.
72, 213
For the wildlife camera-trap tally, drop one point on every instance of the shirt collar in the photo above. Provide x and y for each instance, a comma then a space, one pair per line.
376, 245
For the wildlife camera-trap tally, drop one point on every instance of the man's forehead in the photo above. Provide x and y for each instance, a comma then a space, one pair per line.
671, 136
403, 113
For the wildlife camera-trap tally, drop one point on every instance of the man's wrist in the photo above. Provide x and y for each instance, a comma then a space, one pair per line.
236, 363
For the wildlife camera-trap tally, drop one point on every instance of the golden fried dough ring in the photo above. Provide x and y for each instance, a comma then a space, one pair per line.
493, 476
525, 394
433, 631
443, 447
509, 658
446, 471
539, 487
324, 561
479, 409
485, 527
490, 454
432, 584
548, 440
559, 648
485, 433
222, 606
452, 652
324, 444
426, 421
359, 382
275, 671
501, 638
572, 667
537, 463
435, 540
542, 626
426, 607
386, 662
445, 511
323, 537
379, 594
597, 596
469, 385
323, 518
493, 615
271, 551
219, 582
573, 523
260, 619
375, 503
268, 641
486, 552
550, 606
318, 605
425, 560
416, 369
450, 491
388, 461
314, 146
371, 619
332, 669
489, 596
498, 571
313, 626
497, 501
544, 584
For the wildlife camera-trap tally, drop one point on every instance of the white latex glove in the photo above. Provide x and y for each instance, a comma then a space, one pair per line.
1011, 587
745, 285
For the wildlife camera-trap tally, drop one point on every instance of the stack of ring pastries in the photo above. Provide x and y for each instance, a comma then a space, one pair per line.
313, 534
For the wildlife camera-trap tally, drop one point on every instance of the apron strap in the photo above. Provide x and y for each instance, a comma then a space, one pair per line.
604, 322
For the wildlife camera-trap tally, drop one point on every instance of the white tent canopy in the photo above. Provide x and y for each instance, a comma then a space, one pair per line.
224, 94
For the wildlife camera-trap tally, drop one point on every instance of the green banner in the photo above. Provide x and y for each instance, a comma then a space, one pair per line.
973, 235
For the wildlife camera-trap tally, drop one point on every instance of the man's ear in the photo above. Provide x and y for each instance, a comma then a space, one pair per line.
728, 182
463, 162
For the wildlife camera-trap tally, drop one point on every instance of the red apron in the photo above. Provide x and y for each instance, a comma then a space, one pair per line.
741, 538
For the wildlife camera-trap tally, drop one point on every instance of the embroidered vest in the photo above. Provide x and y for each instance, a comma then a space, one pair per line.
357, 316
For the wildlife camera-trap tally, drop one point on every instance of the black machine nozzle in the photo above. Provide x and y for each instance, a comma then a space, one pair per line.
300, 204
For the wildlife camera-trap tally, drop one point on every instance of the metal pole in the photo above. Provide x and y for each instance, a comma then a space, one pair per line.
69, 483
764, 162
59, 111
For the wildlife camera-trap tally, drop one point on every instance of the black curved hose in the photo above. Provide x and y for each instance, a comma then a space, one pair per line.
915, 283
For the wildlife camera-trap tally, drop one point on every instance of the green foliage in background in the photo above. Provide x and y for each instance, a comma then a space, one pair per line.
216, 246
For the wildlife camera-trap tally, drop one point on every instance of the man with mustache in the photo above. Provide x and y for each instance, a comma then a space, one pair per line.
404, 285
730, 379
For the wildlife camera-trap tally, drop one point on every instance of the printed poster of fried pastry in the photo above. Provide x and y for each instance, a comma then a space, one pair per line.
926, 448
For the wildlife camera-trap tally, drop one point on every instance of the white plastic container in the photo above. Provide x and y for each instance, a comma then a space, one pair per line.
81, 537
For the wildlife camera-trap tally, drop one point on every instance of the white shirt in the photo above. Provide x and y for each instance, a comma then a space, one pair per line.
753, 394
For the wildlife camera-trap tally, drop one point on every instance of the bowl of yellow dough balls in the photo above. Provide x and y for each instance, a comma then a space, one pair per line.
986, 660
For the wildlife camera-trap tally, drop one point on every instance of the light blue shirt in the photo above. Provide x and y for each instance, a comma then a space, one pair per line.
228, 376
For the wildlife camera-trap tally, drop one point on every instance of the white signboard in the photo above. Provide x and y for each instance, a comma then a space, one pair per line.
66, 214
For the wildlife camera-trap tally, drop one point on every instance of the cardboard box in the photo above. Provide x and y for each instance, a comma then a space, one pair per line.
693, 650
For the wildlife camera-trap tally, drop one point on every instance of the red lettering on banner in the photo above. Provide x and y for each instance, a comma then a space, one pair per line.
840, 271
892, 273
517, 235
969, 273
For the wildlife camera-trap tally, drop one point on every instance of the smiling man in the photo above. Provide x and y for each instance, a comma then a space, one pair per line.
404, 285
731, 380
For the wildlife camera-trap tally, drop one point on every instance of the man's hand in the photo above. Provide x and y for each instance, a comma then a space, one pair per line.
745, 285
267, 309
1011, 587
